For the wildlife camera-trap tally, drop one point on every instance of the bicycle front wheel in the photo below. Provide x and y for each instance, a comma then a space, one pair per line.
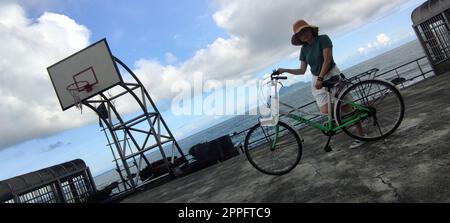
386, 109
273, 150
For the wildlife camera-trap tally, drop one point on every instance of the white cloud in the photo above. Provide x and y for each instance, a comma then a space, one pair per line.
361, 49
382, 40
157, 78
29, 107
170, 58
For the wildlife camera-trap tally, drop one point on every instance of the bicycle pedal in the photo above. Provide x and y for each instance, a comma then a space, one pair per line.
328, 149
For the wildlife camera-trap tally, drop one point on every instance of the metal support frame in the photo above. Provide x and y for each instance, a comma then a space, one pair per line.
134, 138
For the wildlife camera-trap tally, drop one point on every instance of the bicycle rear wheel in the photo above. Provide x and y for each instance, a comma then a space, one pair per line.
273, 150
386, 105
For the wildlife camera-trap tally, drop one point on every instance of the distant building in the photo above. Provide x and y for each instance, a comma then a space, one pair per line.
431, 24
69, 182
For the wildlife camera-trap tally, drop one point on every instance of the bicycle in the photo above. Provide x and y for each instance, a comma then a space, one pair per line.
376, 106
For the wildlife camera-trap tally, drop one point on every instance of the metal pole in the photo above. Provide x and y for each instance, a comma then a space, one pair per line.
59, 192
420, 68
122, 153
73, 190
115, 159
116, 142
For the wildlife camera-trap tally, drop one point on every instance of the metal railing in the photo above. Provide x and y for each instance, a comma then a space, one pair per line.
404, 75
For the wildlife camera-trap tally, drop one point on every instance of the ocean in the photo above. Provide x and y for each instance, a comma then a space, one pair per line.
297, 97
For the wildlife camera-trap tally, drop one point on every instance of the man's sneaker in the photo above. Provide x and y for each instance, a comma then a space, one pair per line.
356, 144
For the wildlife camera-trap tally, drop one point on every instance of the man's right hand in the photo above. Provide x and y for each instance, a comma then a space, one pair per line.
281, 71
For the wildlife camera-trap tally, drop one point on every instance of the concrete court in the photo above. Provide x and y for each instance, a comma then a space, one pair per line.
412, 166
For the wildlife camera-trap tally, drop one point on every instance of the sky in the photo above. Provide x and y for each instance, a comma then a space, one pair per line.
162, 41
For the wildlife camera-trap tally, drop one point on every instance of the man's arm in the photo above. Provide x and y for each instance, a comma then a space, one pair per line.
302, 70
327, 55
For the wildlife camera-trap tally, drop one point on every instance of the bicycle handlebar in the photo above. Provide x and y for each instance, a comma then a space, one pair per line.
275, 76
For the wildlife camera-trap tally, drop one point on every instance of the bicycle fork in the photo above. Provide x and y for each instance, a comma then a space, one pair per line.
275, 140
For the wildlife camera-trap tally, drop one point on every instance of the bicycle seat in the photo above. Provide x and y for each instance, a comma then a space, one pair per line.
331, 82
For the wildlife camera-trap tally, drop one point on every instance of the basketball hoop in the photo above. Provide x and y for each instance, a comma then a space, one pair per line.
74, 90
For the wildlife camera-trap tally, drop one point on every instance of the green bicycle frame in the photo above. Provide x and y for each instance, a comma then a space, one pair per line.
363, 113
275, 140
328, 127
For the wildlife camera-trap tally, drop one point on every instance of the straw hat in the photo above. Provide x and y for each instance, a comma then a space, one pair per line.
298, 26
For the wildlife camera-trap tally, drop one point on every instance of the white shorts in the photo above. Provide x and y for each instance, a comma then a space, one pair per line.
321, 95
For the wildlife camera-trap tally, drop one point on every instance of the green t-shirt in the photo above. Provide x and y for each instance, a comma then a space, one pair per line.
313, 54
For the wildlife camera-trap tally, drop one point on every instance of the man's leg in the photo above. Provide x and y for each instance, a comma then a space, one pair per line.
324, 109
347, 109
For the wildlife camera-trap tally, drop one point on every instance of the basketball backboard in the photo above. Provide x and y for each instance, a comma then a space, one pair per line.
84, 74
